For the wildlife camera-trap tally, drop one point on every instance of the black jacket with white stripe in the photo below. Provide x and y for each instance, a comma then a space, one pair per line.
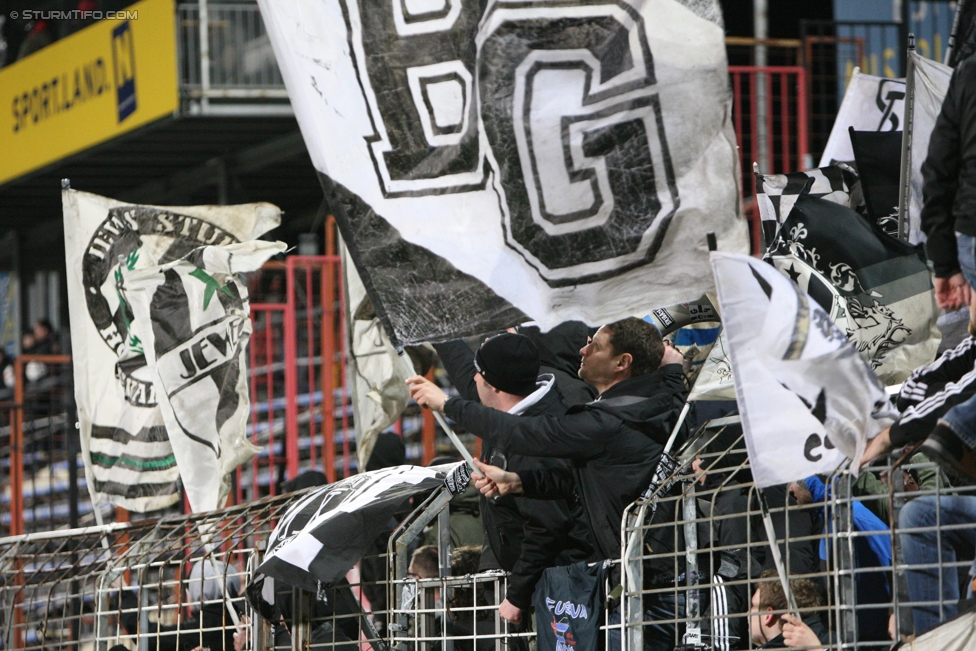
932, 390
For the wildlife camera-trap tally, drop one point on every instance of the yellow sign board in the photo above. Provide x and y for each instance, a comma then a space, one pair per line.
92, 86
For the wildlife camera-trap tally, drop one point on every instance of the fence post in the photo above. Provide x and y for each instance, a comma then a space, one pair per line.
331, 265
301, 630
846, 588
291, 374
17, 454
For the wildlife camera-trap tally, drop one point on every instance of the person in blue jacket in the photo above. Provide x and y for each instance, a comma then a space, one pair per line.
870, 551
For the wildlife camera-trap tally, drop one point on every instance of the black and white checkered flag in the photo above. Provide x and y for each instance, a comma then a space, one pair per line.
776, 193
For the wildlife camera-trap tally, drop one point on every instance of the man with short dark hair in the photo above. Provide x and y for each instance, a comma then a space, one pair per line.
424, 563
614, 442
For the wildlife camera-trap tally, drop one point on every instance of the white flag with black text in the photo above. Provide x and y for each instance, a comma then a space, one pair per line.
808, 399
194, 320
491, 163
870, 104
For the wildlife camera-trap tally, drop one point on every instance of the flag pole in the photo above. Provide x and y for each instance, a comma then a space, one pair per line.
454, 439
954, 32
438, 416
774, 550
905, 180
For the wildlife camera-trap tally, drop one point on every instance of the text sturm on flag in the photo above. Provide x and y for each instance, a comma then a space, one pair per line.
494, 162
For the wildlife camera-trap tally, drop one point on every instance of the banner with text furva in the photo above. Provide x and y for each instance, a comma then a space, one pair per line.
101, 82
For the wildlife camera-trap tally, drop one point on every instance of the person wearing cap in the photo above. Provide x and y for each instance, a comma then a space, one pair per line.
613, 443
522, 535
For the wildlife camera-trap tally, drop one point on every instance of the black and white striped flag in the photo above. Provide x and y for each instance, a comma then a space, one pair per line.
327, 531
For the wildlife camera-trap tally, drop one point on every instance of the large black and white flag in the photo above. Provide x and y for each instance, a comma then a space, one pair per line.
129, 460
193, 319
498, 161
931, 82
807, 399
325, 532
870, 104
875, 288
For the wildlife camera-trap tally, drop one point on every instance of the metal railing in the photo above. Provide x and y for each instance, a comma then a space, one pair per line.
691, 566
782, 109
226, 60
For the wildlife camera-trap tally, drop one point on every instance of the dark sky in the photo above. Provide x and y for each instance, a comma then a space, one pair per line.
784, 16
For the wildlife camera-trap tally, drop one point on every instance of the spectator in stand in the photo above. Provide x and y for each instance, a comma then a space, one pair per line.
45, 339
424, 563
465, 619
559, 354
772, 627
614, 442
522, 536
949, 221
937, 532
873, 551
947, 523
7, 376
209, 625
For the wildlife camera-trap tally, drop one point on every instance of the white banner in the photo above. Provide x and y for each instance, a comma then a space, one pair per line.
808, 399
378, 374
566, 159
931, 84
193, 318
870, 104
129, 460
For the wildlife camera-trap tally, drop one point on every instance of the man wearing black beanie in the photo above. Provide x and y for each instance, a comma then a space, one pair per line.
522, 535
614, 443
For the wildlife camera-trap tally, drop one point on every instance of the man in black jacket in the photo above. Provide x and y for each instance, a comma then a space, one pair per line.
523, 536
949, 222
614, 443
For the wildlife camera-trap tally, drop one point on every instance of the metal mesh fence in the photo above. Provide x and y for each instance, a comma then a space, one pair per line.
695, 570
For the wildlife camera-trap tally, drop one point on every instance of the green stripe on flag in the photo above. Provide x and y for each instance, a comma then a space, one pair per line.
108, 461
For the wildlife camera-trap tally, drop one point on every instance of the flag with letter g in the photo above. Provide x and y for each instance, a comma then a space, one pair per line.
808, 399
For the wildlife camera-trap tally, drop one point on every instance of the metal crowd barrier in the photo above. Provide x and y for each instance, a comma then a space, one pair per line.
693, 557
715, 548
